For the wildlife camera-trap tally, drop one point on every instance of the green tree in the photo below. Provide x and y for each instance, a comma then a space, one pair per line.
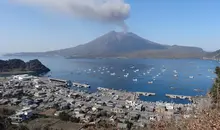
215, 90
64, 116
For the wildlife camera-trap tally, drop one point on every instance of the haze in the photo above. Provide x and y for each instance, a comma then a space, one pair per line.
30, 26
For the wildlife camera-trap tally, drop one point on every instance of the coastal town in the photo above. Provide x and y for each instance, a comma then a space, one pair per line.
52, 97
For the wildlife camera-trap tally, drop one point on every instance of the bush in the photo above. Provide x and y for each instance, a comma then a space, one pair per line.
215, 90
64, 116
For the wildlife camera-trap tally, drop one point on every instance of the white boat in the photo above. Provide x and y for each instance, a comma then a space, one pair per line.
126, 75
112, 74
135, 80
102, 72
123, 70
191, 77
144, 73
132, 67
175, 71
150, 82
136, 70
175, 75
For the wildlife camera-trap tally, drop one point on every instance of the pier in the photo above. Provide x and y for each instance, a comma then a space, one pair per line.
79, 85
57, 80
145, 94
178, 96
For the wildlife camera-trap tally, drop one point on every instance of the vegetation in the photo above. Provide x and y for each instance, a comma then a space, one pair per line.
64, 116
215, 90
17, 66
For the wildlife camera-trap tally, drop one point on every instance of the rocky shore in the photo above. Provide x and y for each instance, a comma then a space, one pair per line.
54, 98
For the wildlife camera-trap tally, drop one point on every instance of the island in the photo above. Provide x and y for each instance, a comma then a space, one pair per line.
17, 66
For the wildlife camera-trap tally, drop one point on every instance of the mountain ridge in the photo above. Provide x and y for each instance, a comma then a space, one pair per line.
120, 44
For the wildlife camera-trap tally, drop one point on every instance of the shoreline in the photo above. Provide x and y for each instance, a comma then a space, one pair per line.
41, 94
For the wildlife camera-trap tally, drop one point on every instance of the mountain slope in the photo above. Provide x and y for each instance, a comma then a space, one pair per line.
110, 44
118, 44
213, 55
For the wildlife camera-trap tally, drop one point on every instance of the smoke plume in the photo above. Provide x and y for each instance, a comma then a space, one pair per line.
108, 11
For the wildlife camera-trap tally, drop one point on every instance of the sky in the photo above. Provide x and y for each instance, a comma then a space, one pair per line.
28, 28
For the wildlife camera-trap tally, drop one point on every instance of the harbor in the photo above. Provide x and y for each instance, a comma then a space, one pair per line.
41, 94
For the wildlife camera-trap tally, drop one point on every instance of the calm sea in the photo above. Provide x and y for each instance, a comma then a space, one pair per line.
161, 76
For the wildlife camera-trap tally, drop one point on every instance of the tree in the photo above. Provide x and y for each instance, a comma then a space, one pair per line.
215, 90
64, 116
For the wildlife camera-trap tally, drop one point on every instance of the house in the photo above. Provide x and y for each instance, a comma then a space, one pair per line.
40, 94
117, 110
169, 106
139, 107
21, 115
131, 103
152, 117
122, 126
24, 77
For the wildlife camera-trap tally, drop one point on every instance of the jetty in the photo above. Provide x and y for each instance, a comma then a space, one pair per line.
178, 96
57, 80
145, 94
79, 85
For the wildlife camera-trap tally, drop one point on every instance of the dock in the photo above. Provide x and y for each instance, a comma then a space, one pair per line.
145, 94
57, 80
79, 85
178, 96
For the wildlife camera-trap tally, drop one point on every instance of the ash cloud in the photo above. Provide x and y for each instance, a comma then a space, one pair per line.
107, 11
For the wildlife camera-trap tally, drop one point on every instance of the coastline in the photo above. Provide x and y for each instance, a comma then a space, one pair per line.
42, 93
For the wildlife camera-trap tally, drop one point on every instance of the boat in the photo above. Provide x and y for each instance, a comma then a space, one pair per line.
132, 67
136, 70
175, 75
198, 90
135, 80
191, 77
126, 75
123, 70
175, 71
112, 74
150, 82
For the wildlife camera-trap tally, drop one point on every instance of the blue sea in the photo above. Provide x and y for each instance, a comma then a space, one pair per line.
160, 76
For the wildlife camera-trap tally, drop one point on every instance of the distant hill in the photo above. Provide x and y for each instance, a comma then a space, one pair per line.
213, 55
119, 44
17, 66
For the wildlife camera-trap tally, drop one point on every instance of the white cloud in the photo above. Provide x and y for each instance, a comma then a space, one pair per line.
110, 11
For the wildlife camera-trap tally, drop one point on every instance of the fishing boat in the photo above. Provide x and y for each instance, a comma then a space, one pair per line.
150, 82
112, 74
191, 77
126, 75
135, 80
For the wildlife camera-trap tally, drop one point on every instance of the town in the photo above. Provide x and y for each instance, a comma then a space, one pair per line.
41, 95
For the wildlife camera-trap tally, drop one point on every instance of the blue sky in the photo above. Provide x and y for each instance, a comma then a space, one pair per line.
190, 23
